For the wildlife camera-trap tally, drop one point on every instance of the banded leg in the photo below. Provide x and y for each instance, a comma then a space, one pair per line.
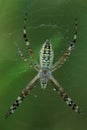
64, 95
66, 55
22, 55
31, 64
21, 97
27, 41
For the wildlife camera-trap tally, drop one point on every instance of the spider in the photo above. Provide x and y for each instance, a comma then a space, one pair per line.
45, 70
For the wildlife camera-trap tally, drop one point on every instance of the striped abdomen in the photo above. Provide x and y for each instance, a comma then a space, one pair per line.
46, 55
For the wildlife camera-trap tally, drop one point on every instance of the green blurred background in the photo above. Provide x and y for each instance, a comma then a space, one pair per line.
47, 19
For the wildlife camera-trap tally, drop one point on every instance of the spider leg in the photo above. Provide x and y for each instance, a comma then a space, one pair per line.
66, 55
21, 97
27, 41
64, 95
33, 65
22, 55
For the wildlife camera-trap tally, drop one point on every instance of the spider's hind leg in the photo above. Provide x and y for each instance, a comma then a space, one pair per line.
75, 35
28, 43
66, 55
26, 38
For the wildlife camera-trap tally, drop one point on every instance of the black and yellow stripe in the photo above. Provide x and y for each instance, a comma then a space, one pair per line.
46, 55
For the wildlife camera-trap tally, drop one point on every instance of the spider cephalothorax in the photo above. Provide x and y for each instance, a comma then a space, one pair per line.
44, 77
45, 69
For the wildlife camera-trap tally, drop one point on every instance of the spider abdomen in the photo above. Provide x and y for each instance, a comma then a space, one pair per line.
46, 55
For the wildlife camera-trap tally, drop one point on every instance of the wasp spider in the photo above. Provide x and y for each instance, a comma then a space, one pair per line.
45, 70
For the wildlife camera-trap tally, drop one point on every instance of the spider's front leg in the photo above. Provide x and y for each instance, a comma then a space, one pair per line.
21, 97
64, 95
28, 43
65, 56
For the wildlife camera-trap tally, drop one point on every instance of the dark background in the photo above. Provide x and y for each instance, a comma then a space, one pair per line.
47, 19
